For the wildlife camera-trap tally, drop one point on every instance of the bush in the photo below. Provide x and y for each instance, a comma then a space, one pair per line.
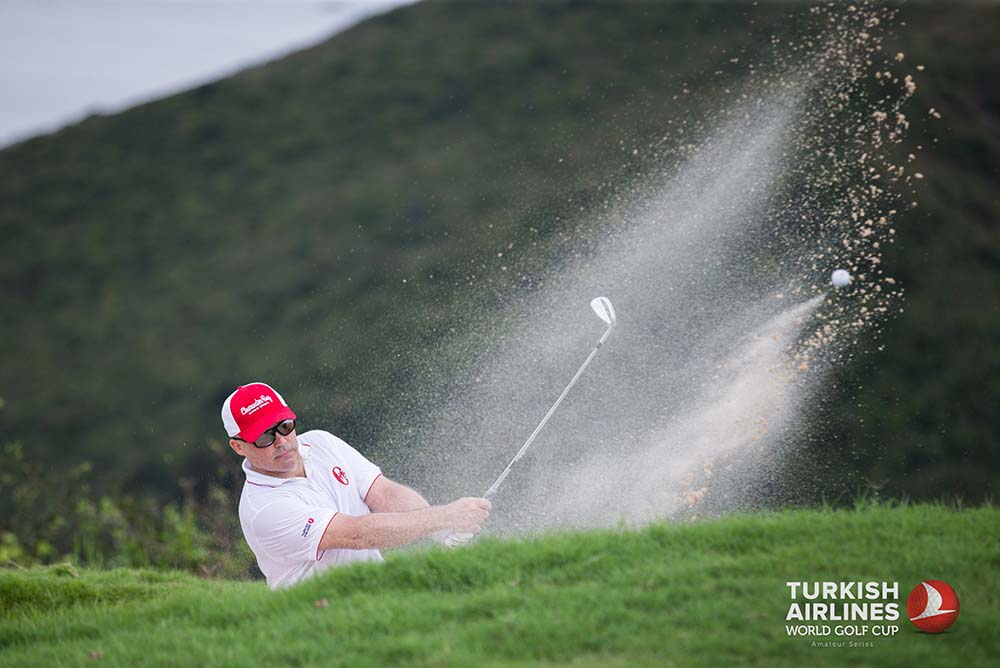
48, 518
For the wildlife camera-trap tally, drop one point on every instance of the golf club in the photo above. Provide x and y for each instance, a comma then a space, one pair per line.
606, 312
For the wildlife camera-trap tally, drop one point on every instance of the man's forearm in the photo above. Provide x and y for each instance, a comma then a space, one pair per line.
403, 499
385, 529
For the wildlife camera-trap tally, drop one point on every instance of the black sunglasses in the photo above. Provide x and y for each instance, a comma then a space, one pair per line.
267, 439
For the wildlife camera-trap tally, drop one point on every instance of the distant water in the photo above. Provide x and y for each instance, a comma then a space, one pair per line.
61, 60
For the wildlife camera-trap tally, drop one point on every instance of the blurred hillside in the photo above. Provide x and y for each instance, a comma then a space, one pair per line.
324, 220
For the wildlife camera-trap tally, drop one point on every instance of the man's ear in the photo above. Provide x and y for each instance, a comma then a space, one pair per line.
237, 446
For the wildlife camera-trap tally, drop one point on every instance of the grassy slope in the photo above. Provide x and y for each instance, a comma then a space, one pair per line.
708, 594
386, 154
407, 148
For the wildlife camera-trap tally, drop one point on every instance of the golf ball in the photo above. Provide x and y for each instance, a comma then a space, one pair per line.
840, 278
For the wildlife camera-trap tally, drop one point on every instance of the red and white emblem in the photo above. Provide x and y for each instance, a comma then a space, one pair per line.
932, 606
339, 474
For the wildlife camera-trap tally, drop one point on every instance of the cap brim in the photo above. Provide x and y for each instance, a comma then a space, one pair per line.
265, 422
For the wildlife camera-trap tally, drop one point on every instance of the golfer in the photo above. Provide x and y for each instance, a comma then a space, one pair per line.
311, 502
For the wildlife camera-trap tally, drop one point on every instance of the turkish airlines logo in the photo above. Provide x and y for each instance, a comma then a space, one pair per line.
339, 474
257, 405
307, 527
932, 606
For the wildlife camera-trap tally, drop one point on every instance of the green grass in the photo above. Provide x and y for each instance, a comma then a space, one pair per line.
706, 594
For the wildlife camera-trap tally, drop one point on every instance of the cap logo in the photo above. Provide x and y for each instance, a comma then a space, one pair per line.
256, 405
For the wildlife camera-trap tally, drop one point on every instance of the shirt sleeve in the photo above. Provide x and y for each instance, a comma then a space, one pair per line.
358, 466
290, 530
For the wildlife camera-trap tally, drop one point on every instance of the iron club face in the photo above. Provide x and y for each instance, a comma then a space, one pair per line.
604, 310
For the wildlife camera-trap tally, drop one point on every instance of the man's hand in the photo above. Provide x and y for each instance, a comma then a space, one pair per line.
467, 515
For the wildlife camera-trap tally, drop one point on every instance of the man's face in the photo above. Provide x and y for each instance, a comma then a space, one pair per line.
281, 459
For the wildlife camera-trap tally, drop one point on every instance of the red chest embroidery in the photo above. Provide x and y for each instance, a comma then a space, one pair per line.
339, 474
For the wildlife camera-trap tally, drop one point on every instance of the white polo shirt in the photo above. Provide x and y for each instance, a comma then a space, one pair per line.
283, 519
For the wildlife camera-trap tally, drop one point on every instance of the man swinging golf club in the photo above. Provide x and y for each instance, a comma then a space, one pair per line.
312, 501
301, 504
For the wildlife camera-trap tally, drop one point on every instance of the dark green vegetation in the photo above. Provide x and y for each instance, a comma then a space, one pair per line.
920, 417
58, 514
323, 221
708, 594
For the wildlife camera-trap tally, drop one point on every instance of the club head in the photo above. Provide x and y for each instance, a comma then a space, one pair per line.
604, 310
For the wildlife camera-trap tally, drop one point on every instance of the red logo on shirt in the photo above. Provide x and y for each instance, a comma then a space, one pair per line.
339, 474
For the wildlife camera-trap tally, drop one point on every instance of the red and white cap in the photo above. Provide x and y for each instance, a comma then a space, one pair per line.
252, 409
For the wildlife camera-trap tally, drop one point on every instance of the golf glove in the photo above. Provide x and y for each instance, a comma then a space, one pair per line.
458, 538
452, 538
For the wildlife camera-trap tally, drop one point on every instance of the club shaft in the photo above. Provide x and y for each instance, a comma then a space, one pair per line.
541, 425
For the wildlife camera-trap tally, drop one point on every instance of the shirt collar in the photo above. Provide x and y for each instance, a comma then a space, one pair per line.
257, 478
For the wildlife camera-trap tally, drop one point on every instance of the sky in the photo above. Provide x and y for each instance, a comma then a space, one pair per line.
62, 60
